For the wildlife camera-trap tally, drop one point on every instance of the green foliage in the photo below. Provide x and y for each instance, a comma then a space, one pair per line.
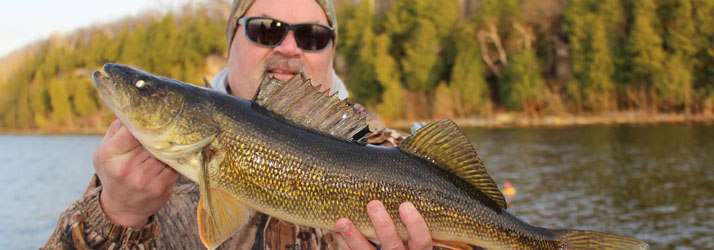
53, 87
592, 86
445, 101
414, 58
83, 102
521, 83
499, 10
418, 30
357, 43
704, 69
677, 87
391, 106
645, 43
681, 35
59, 101
420, 57
467, 76
39, 102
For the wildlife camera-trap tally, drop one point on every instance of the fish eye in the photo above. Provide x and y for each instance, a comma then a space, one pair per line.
142, 82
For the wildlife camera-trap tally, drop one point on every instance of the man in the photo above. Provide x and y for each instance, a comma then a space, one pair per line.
139, 202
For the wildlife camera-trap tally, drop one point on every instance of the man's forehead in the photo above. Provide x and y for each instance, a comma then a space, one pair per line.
240, 7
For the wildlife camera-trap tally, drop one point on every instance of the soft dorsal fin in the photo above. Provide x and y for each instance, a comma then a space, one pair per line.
298, 101
444, 143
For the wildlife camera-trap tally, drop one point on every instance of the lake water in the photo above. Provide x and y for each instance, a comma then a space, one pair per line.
41, 176
650, 182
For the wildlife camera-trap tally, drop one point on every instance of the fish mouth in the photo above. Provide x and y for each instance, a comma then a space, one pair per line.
105, 86
109, 92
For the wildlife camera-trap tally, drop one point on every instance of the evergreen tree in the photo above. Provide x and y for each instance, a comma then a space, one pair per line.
133, 46
467, 76
521, 83
576, 18
599, 87
420, 57
82, 102
704, 18
612, 14
39, 101
388, 76
359, 47
59, 99
645, 45
445, 101
418, 29
681, 43
592, 86
24, 113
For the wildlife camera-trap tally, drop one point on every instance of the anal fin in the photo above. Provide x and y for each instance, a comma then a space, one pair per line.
451, 245
582, 240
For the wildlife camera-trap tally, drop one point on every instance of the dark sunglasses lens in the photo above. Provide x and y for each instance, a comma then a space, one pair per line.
265, 31
312, 37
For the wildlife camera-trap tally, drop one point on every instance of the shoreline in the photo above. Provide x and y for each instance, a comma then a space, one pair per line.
518, 120
502, 120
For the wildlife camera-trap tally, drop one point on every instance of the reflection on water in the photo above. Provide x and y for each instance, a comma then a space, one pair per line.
650, 182
41, 176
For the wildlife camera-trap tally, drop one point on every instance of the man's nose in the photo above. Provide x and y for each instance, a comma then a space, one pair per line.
289, 45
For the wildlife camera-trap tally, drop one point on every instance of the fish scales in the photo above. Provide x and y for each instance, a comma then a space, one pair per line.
321, 179
248, 155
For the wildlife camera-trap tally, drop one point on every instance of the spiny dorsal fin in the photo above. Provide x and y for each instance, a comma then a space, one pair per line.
445, 144
298, 101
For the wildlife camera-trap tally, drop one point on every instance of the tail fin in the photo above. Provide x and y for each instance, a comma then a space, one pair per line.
580, 239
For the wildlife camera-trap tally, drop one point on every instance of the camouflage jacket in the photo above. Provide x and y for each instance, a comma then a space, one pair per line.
84, 225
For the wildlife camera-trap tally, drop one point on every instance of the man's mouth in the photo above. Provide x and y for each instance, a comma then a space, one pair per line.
282, 74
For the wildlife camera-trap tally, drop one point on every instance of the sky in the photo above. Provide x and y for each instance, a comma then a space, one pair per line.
25, 21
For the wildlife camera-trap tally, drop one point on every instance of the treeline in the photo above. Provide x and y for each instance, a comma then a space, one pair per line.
411, 59
52, 89
436, 58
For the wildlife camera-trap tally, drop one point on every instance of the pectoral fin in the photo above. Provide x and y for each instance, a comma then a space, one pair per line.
220, 214
225, 216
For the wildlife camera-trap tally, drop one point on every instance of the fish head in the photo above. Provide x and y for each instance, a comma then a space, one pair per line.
171, 119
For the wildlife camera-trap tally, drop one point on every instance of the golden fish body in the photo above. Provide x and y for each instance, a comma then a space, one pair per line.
288, 153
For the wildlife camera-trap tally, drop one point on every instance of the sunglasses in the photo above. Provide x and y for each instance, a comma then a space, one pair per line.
268, 32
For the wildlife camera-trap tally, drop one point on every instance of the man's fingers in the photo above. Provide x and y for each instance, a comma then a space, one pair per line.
341, 243
122, 142
419, 236
147, 170
168, 175
163, 183
113, 127
384, 226
353, 237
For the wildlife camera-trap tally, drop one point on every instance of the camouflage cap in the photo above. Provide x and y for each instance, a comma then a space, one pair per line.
241, 6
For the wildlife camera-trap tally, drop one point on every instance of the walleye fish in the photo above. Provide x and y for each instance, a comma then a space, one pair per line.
289, 153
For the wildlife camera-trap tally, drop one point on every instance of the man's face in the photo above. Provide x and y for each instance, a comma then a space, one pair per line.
248, 62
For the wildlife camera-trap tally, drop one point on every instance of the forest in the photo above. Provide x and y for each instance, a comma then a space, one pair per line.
408, 59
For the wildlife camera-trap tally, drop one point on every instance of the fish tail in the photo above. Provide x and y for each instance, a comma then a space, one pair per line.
581, 239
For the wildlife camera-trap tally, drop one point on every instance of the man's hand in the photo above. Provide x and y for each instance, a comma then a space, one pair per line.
135, 185
418, 233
